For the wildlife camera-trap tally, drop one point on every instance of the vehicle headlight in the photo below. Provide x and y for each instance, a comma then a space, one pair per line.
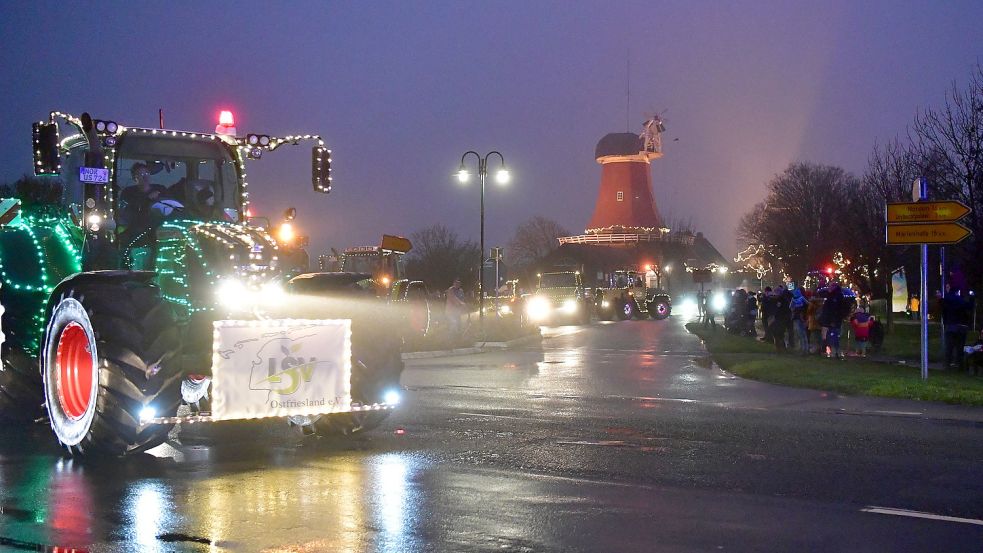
272, 292
538, 308
605, 304
392, 397
719, 302
570, 306
505, 309
231, 292
688, 308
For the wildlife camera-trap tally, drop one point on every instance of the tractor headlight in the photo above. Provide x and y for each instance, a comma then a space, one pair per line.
392, 397
147, 413
538, 308
272, 292
231, 292
570, 306
688, 308
719, 302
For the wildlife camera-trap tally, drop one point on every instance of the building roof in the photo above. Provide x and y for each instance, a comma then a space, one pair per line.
618, 144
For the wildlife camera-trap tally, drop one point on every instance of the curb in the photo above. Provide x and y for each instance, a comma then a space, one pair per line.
479, 347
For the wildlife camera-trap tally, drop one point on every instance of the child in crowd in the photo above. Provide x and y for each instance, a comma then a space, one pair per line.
861, 322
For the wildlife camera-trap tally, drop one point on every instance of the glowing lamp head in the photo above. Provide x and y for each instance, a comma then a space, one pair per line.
226, 124
463, 175
226, 119
502, 176
648, 268
385, 281
286, 233
829, 270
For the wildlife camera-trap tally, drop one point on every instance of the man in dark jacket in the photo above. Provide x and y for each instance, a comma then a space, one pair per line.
781, 319
767, 307
955, 325
831, 317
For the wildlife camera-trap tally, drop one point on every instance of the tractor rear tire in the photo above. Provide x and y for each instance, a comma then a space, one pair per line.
627, 310
109, 352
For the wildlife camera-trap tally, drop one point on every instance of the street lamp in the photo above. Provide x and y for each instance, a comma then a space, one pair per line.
501, 177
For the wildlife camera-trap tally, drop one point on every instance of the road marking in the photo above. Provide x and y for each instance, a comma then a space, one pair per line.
919, 514
504, 417
617, 443
906, 413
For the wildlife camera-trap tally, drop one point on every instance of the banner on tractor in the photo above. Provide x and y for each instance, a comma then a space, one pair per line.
278, 368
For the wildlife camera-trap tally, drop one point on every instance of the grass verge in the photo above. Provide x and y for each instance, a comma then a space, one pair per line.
749, 358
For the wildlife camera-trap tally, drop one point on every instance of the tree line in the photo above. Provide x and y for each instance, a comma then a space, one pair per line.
816, 215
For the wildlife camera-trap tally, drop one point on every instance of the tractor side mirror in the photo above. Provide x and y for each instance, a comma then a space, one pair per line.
290, 214
46, 160
321, 169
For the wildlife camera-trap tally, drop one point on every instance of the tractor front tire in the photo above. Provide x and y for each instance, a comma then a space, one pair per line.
20, 386
377, 364
108, 356
20, 381
659, 309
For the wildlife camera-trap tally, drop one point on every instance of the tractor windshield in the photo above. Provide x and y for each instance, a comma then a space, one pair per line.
180, 177
361, 263
558, 280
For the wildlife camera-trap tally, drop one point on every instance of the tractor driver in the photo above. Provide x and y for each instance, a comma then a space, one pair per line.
136, 201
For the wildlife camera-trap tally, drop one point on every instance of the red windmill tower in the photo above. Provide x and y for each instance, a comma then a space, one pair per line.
625, 211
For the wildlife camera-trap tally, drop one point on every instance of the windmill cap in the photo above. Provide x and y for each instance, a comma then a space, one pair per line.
619, 144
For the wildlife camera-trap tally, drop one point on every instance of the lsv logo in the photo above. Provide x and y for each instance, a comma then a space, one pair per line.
286, 371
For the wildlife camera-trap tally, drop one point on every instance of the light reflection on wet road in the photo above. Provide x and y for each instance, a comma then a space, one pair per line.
613, 437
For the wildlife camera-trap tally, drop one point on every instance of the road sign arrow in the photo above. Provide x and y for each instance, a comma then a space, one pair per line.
938, 233
945, 211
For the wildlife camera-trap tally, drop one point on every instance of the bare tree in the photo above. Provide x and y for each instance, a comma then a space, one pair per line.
801, 219
949, 142
533, 240
439, 256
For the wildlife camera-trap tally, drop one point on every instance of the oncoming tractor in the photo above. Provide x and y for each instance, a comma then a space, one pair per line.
630, 294
131, 283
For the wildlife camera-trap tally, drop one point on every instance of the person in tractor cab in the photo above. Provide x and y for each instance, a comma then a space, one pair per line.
135, 203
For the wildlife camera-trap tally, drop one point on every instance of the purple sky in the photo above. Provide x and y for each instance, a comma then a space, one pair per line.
400, 90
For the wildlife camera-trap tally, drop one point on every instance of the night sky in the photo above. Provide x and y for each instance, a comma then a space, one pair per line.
400, 90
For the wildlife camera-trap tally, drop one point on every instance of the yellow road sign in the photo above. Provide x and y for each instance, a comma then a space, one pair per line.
945, 211
940, 233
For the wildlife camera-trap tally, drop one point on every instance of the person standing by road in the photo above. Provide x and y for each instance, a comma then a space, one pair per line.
812, 323
767, 307
781, 318
831, 317
955, 325
800, 306
455, 307
861, 322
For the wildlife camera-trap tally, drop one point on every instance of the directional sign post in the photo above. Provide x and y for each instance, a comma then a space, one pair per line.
922, 222
926, 212
926, 233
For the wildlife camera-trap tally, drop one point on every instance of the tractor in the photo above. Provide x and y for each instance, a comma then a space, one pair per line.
630, 294
132, 284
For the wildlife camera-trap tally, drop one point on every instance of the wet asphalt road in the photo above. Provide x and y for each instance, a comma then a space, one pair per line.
611, 437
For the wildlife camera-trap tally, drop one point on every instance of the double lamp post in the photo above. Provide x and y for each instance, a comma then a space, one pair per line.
501, 177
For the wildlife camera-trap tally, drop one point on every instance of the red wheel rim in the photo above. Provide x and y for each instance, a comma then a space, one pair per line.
74, 359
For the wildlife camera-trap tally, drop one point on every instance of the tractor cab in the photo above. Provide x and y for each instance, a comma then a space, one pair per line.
384, 262
121, 184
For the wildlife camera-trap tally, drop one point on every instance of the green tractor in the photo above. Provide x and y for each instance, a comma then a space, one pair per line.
131, 284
